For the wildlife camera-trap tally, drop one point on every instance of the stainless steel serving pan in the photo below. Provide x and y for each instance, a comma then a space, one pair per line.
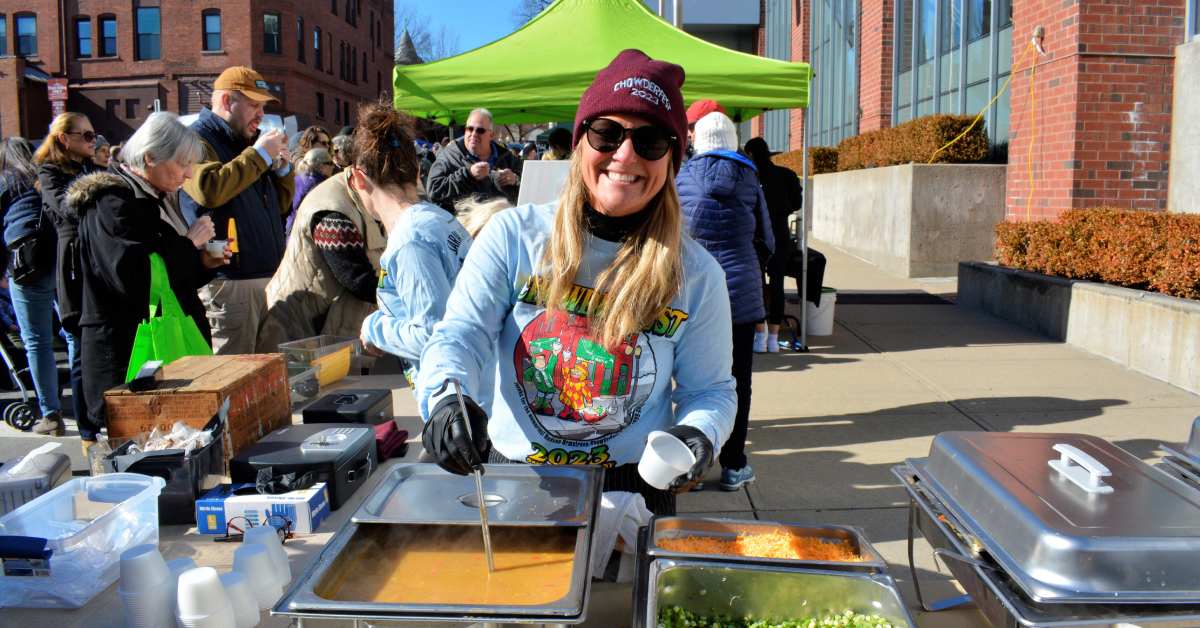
996, 596
767, 592
682, 526
517, 494
1070, 518
566, 498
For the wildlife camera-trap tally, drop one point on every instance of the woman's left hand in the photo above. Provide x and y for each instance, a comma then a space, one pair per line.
698, 442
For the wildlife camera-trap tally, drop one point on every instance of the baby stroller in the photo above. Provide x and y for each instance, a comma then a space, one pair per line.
21, 414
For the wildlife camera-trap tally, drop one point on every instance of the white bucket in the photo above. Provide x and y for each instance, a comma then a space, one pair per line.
820, 318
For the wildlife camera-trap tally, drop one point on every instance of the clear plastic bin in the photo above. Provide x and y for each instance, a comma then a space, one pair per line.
87, 522
330, 354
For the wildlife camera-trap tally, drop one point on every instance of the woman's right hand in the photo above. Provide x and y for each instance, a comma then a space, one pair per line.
201, 231
446, 437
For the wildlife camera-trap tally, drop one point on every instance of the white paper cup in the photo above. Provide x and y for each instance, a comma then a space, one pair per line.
268, 536
245, 606
203, 602
664, 459
142, 569
216, 248
255, 563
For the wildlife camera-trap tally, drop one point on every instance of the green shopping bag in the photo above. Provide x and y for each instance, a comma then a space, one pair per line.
167, 335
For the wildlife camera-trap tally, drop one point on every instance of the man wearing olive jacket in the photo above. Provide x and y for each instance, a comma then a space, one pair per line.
245, 178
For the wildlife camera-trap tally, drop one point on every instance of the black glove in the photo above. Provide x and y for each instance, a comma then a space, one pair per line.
445, 435
702, 447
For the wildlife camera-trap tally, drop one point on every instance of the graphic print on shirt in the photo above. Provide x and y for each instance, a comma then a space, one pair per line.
573, 387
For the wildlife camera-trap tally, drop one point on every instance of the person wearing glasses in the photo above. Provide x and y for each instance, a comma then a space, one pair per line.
312, 137
65, 155
475, 166
725, 211
599, 320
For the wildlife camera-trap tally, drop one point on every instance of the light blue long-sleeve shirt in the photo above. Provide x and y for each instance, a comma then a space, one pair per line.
561, 397
425, 251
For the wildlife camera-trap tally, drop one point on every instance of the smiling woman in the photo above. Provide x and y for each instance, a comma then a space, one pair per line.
598, 320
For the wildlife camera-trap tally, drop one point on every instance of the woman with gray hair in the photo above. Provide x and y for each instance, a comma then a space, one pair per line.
126, 214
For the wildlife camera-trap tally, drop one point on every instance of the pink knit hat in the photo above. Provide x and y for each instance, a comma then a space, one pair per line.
634, 84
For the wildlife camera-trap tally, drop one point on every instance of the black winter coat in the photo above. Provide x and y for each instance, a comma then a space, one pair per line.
54, 180
119, 230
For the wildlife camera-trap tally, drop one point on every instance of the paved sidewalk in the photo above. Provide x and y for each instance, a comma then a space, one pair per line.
828, 425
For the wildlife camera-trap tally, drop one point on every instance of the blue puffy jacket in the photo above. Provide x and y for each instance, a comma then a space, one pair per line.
724, 210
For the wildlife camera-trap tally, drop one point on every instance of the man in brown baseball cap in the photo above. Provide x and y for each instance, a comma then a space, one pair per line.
242, 79
246, 179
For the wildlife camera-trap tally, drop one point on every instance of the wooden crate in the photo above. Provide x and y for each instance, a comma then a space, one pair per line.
193, 389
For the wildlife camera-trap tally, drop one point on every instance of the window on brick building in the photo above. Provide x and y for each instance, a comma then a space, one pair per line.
132, 107
112, 107
364, 68
271, 39
149, 33
333, 6
27, 43
346, 112
1193, 19
329, 45
83, 37
337, 110
320, 105
108, 36
211, 19
317, 47
973, 58
300, 39
3, 34
835, 90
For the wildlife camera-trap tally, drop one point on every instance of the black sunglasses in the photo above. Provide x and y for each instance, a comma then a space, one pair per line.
88, 136
649, 142
477, 129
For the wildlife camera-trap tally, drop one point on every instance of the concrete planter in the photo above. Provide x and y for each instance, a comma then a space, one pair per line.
1150, 333
914, 220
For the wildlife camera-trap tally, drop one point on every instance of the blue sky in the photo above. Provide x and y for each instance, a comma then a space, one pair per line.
474, 22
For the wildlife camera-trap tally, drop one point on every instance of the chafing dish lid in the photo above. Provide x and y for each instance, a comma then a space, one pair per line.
516, 494
1097, 524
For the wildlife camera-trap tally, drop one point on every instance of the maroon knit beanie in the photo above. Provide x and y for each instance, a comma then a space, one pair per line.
634, 84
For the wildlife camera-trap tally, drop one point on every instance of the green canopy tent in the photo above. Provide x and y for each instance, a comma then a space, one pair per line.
538, 73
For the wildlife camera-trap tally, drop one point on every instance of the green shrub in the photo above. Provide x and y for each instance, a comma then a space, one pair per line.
915, 141
1137, 249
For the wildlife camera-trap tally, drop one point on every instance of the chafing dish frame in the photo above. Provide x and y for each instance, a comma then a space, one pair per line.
301, 602
994, 594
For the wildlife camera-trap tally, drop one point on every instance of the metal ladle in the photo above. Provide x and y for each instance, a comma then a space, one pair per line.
478, 472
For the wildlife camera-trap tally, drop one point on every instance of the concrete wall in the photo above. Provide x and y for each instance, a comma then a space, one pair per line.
1150, 333
914, 220
1184, 193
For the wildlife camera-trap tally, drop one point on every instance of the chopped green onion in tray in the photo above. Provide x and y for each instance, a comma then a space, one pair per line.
676, 617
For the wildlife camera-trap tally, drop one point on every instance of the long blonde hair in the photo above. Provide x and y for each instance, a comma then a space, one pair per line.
51, 150
642, 279
474, 214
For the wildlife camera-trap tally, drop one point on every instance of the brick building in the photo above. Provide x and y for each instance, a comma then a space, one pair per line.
1089, 119
120, 58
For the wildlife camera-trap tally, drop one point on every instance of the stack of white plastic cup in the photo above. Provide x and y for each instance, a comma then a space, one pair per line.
177, 566
664, 459
255, 563
245, 606
203, 602
269, 536
146, 588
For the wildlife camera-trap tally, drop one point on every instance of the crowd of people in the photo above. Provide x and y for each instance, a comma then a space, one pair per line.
571, 330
